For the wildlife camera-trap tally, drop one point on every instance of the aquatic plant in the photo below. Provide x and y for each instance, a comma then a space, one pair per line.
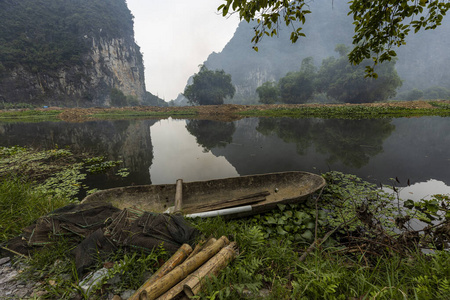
36, 182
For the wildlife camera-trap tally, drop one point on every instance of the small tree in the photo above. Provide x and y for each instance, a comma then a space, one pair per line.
347, 83
209, 87
414, 94
268, 92
298, 87
118, 98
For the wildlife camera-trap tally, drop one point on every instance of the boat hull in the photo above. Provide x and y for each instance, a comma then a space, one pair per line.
278, 188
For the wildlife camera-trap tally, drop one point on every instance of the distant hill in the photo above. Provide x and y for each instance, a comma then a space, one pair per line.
422, 63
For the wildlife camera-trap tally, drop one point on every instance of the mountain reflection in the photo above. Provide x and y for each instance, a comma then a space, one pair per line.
297, 131
352, 142
124, 140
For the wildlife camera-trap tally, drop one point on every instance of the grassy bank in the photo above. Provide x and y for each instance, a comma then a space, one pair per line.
233, 112
356, 246
29, 115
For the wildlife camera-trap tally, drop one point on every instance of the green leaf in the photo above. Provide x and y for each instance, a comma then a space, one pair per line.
271, 220
409, 204
288, 214
281, 207
307, 235
310, 225
281, 231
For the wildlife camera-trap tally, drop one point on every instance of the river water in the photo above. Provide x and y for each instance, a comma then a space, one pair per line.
161, 151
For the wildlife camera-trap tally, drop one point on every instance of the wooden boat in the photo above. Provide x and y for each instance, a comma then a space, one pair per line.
235, 197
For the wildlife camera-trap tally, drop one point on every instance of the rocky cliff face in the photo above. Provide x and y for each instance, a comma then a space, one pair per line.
114, 63
67, 53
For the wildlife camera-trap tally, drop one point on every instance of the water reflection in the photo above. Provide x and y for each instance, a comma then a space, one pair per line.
177, 154
353, 142
376, 150
210, 134
423, 190
163, 151
125, 140
297, 131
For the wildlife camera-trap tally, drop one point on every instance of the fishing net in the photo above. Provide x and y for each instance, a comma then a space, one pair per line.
134, 229
100, 229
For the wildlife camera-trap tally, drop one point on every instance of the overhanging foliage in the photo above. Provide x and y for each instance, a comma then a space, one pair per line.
379, 25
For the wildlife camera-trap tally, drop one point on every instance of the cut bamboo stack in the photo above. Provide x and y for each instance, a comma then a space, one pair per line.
183, 274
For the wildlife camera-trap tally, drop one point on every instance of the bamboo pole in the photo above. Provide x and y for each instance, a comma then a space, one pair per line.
159, 287
176, 259
211, 267
193, 283
201, 245
178, 196
173, 292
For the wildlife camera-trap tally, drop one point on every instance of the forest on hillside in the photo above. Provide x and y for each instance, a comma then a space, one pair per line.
48, 35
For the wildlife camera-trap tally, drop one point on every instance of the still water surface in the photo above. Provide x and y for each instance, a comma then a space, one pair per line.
161, 151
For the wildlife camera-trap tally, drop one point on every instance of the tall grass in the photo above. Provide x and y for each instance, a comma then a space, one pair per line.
20, 205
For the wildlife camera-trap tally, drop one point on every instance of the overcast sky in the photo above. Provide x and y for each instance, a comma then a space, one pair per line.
176, 36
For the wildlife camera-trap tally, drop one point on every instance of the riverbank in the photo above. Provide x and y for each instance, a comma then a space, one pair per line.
231, 112
349, 241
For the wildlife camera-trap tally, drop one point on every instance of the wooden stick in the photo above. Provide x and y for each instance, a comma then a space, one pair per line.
178, 196
14, 252
176, 259
248, 199
159, 287
193, 282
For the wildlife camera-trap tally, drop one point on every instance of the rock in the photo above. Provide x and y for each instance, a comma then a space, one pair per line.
8, 276
38, 294
12, 287
4, 260
20, 293
126, 294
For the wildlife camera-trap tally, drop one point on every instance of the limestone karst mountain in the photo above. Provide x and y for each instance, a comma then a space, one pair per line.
69, 53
